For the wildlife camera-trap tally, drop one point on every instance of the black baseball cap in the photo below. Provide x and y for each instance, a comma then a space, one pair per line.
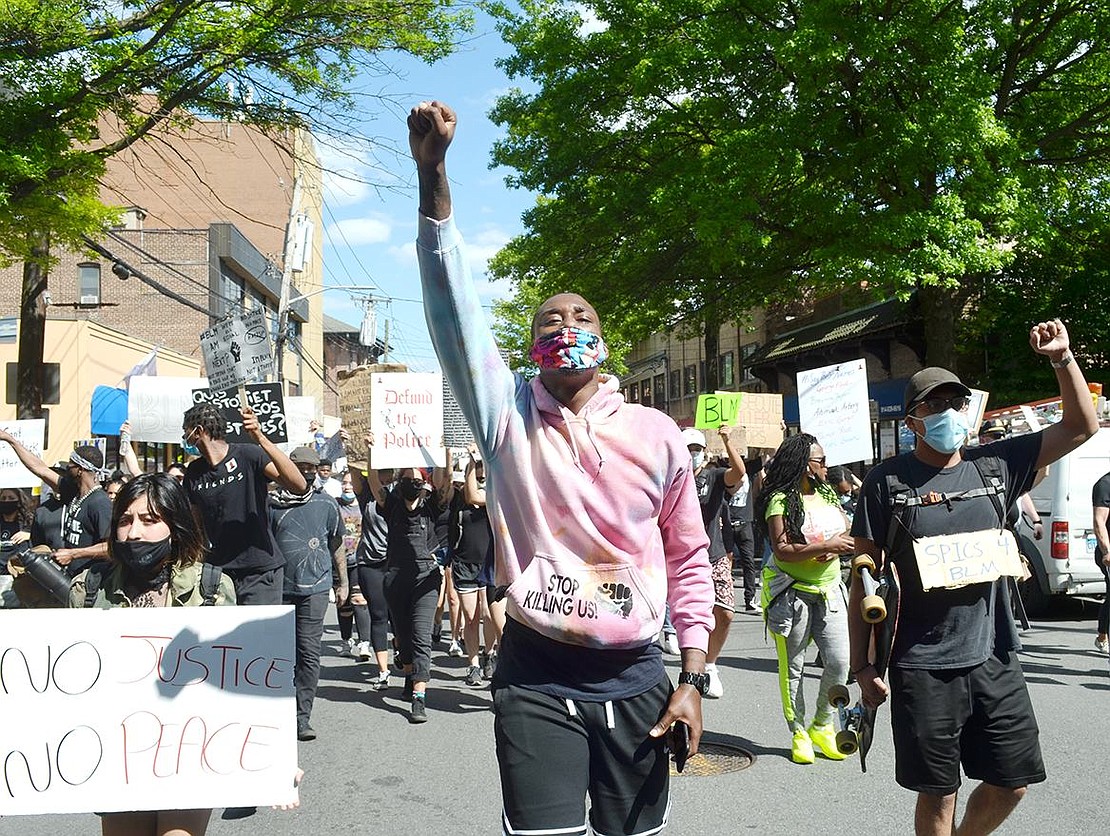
925, 381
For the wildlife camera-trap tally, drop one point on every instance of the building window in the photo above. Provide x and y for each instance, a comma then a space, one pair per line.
727, 369
645, 393
660, 391
88, 283
634, 393
691, 386
676, 384
747, 351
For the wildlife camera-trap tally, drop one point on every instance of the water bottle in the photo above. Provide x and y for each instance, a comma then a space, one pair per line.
47, 574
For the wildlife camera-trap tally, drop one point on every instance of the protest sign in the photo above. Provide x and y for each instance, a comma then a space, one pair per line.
354, 403
761, 417
715, 445
146, 709
30, 433
833, 406
300, 410
237, 350
456, 430
156, 406
975, 410
717, 409
406, 418
265, 399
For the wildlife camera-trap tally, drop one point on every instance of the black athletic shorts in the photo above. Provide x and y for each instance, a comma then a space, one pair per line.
552, 754
979, 717
465, 576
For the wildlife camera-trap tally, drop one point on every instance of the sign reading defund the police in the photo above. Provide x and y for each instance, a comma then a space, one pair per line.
237, 350
406, 418
146, 709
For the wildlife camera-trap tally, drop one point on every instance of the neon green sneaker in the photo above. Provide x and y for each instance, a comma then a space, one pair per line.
801, 750
824, 738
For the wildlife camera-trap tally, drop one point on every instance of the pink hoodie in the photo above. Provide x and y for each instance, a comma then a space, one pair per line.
595, 517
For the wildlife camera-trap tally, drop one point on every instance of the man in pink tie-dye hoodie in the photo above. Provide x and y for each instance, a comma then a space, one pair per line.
597, 527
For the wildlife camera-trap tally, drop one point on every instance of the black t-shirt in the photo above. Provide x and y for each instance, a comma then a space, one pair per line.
233, 504
412, 535
470, 531
1100, 498
374, 540
710, 482
947, 628
86, 521
46, 529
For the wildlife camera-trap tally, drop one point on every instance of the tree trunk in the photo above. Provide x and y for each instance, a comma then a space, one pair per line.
712, 342
938, 312
30, 377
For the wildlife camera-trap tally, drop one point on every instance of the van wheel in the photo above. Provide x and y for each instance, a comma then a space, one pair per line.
1037, 601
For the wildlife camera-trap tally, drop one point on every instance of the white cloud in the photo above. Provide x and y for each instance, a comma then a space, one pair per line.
591, 23
361, 231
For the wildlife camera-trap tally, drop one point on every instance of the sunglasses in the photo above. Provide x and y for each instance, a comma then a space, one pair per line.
820, 461
935, 405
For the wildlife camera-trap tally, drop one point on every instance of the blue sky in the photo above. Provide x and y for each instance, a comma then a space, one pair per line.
370, 218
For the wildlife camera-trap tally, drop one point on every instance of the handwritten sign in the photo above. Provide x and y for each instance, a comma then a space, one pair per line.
976, 409
264, 398
406, 418
833, 406
237, 350
761, 417
953, 561
456, 430
30, 434
146, 709
354, 403
717, 409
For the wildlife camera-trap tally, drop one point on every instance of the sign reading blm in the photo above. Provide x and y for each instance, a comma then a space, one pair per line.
237, 350
266, 401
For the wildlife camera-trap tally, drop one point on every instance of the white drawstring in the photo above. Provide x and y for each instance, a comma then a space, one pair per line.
609, 721
571, 710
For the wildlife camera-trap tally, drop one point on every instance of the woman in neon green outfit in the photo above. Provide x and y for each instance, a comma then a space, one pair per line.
803, 597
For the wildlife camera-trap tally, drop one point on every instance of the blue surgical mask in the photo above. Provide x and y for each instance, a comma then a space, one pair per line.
698, 459
946, 432
189, 448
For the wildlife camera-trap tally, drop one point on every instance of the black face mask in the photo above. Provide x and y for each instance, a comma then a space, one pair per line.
142, 557
9, 506
410, 489
68, 488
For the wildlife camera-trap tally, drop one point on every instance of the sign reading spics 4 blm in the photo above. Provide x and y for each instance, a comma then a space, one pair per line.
146, 709
237, 350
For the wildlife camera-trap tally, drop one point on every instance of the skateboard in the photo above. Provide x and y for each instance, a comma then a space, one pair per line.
880, 610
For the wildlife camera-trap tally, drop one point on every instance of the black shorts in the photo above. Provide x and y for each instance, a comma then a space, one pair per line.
979, 717
552, 754
465, 576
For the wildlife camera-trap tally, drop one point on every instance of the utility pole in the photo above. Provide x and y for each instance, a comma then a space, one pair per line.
286, 283
385, 352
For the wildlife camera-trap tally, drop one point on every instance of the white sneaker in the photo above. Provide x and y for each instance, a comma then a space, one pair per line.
716, 688
670, 644
455, 649
348, 648
362, 652
1102, 645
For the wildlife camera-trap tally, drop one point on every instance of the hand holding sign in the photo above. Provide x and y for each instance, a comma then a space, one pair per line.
251, 426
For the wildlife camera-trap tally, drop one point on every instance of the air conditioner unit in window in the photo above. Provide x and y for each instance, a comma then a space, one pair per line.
90, 301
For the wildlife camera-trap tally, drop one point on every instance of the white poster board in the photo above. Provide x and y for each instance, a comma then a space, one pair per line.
299, 412
833, 406
237, 350
146, 709
406, 418
30, 433
156, 406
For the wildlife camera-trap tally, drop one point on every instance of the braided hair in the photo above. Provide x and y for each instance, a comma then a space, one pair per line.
209, 418
784, 475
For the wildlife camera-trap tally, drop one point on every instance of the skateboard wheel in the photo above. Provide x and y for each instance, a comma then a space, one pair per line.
846, 742
861, 562
874, 609
839, 696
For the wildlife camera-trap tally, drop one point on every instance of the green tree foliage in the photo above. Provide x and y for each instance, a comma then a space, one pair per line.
69, 68
697, 154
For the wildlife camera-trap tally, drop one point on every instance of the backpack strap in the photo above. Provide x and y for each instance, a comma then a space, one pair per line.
994, 486
210, 577
904, 502
94, 577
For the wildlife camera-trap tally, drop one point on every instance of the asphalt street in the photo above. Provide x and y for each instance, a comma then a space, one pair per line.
370, 772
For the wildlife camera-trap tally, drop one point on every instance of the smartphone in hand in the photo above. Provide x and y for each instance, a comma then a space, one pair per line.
680, 744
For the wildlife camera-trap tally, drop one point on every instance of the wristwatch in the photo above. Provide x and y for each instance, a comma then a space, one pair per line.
700, 681
1063, 362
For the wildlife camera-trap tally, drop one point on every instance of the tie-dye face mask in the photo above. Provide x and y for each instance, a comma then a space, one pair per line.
569, 348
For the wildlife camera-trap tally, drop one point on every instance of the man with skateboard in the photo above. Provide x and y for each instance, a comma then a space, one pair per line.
937, 515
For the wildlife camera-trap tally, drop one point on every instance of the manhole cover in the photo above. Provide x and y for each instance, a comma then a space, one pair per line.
715, 759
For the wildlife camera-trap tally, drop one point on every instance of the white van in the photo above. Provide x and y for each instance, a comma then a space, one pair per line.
1066, 564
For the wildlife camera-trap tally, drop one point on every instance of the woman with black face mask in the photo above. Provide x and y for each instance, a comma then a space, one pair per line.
15, 531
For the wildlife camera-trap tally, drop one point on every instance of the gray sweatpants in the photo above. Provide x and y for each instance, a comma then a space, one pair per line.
796, 619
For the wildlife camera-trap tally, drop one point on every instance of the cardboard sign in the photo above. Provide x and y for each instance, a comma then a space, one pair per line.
456, 430
354, 403
715, 445
157, 405
264, 398
955, 560
147, 709
30, 434
237, 350
761, 417
717, 410
833, 406
406, 418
